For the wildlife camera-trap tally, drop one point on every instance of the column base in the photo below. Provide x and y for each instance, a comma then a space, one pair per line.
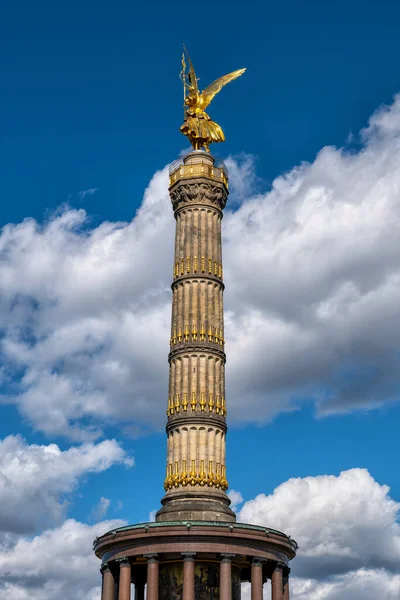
195, 507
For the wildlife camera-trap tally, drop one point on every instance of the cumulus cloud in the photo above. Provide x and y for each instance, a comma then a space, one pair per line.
362, 584
357, 585
344, 524
35, 481
59, 563
340, 522
319, 254
85, 312
84, 316
236, 499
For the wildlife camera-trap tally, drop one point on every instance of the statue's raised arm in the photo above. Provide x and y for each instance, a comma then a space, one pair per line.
198, 126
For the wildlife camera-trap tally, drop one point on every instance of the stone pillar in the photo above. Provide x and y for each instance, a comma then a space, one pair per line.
188, 575
277, 582
225, 577
198, 191
124, 591
256, 579
286, 584
107, 591
152, 576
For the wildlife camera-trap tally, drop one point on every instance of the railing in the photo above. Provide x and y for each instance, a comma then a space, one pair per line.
178, 170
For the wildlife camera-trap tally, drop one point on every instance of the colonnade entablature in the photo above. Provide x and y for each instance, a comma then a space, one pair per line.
191, 554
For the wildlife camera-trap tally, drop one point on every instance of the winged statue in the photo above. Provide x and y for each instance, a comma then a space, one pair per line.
198, 126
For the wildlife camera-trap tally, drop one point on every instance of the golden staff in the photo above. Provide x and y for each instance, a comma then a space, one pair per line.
182, 76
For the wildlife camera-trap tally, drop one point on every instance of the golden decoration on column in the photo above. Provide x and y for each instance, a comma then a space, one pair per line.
195, 548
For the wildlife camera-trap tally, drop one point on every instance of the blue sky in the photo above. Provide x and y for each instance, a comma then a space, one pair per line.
91, 105
88, 87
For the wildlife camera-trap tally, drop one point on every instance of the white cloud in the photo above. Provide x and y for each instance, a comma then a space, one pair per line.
152, 515
358, 585
85, 312
348, 534
85, 315
236, 498
334, 518
319, 254
101, 509
89, 192
59, 563
35, 481
341, 524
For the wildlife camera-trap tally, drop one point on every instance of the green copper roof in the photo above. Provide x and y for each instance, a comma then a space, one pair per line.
153, 525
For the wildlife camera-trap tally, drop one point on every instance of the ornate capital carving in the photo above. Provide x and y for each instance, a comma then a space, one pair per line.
151, 558
198, 192
257, 562
104, 567
188, 556
227, 558
123, 562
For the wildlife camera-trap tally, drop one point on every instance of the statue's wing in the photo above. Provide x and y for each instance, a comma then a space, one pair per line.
215, 87
191, 74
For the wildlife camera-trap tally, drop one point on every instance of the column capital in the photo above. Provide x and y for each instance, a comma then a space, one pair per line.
188, 555
104, 567
226, 557
123, 562
257, 561
280, 566
151, 558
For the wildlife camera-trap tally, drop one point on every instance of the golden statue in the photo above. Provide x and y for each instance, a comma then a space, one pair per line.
198, 126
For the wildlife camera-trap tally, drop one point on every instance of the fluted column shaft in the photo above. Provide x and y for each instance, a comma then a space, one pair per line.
196, 397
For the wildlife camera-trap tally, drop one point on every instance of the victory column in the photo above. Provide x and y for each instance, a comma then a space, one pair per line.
195, 550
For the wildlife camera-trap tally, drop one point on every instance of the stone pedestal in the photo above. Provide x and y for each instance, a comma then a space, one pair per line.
182, 559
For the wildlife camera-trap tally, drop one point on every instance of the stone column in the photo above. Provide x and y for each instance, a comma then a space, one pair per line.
277, 582
198, 191
107, 591
152, 576
286, 584
124, 591
256, 580
225, 577
188, 575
